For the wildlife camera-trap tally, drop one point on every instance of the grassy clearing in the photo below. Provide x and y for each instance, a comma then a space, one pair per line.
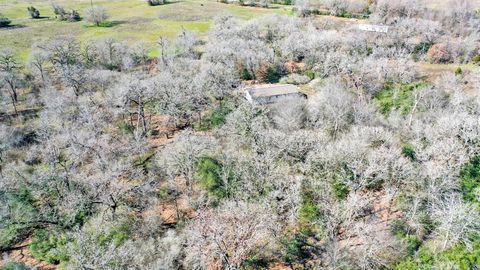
398, 97
131, 20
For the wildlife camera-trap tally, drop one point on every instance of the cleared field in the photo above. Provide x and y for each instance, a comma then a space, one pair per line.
131, 21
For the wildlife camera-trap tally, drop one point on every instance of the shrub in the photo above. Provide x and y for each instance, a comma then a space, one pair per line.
10, 234
310, 74
402, 231
73, 16
457, 257
397, 97
476, 59
58, 10
309, 212
49, 246
209, 171
458, 71
245, 75
34, 13
125, 128
439, 53
117, 235
340, 189
155, 2
408, 151
4, 21
295, 79
295, 248
215, 118
470, 179
268, 73
62, 15
422, 47
97, 15
412, 243
426, 221
399, 228
14, 266
21, 203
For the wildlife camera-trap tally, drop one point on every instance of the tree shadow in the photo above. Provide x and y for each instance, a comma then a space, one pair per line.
168, 3
12, 26
106, 24
41, 17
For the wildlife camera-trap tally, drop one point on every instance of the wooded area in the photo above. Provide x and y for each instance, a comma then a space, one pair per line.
113, 159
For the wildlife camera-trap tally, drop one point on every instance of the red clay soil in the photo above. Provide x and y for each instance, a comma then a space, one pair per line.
373, 227
24, 256
163, 132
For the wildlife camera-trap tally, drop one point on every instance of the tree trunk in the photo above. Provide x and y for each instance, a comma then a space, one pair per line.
14, 102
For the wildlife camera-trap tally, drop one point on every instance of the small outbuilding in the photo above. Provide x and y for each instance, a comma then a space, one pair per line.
373, 28
271, 93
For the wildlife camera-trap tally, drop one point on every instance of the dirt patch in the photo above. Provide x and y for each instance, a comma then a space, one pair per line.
162, 131
370, 234
23, 255
279, 267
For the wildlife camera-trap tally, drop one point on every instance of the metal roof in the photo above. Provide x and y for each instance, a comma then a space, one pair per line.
270, 90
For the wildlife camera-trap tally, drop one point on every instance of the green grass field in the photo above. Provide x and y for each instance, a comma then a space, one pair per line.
132, 20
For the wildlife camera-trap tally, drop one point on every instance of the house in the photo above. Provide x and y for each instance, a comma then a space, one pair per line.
270, 93
373, 28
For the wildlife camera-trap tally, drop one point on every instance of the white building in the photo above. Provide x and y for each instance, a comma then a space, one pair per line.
373, 28
270, 93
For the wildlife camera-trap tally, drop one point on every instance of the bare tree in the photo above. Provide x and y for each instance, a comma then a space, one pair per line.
331, 108
10, 74
96, 15
458, 221
38, 61
290, 115
225, 236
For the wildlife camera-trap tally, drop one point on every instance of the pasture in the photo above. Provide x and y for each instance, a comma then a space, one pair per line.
130, 21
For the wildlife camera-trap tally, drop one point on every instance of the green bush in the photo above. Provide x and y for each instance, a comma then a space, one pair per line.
49, 246
295, 248
458, 257
268, 73
273, 75
310, 74
214, 118
399, 228
402, 232
245, 75
427, 222
422, 48
209, 170
458, 71
21, 205
34, 13
340, 189
397, 97
10, 234
4, 21
412, 243
155, 2
125, 127
470, 179
117, 235
476, 59
256, 262
14, 266
309, 212
408, 151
